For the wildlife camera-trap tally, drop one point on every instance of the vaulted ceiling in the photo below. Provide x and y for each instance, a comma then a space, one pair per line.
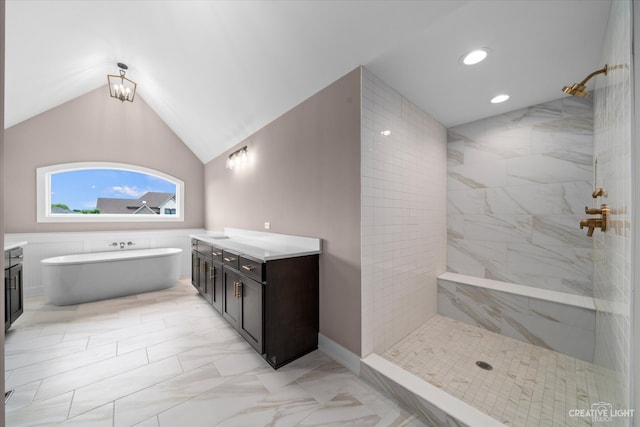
217, 71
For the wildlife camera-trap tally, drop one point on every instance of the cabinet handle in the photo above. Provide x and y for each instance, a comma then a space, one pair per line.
248, 267
201, 267
14, 282
237, 291
229, 259
212, 273
216, 253
18, 257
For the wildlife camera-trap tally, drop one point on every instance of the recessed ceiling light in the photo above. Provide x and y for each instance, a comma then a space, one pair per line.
385, 132
475, 56
499, 98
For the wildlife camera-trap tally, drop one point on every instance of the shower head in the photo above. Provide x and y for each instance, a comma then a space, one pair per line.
580, 89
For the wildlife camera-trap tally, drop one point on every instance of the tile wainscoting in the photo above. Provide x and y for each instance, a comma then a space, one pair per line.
45, 245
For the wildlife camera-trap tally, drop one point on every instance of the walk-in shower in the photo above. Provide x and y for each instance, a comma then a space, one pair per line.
522, 288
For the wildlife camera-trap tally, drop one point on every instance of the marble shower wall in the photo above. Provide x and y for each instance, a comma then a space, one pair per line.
517, 187
403, 216
613, 249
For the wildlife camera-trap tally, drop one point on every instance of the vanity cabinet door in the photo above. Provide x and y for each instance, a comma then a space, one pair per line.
205, 284
195, 269
15, 289
243, 307
231, 305
13, 283
251, 313
7, 299
215, 272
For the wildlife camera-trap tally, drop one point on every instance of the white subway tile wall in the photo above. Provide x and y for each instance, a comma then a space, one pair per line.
403, 180
613, 262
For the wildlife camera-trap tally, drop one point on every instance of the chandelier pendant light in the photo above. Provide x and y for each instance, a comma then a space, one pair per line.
121, 87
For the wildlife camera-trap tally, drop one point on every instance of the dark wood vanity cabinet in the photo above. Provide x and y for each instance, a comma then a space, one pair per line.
272, 304
13, 283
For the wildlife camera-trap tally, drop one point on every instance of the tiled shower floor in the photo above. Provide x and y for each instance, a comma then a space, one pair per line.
528, 385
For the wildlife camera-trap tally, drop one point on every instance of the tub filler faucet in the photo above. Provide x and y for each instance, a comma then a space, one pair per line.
121, 244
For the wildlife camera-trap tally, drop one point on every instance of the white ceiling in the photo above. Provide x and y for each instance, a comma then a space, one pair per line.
217, 71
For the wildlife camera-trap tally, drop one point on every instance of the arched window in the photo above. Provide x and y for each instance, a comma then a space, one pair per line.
107, 192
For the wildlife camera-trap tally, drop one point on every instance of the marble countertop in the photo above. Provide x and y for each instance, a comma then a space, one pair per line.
12, 245
262, 246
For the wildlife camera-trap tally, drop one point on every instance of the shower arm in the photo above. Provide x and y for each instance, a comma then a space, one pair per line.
604, 70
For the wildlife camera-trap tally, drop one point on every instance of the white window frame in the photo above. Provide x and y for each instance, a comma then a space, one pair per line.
43, 194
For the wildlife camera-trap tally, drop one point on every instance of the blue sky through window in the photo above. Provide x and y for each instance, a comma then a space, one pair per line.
80, 189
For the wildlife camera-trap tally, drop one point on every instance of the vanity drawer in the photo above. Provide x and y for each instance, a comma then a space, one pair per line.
15, 257
204, 248
216, 253
230, 258
252, 268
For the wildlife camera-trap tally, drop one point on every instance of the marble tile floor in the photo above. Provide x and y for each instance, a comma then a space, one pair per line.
167, 358
528, 385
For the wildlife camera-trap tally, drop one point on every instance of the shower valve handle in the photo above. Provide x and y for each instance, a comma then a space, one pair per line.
592, 211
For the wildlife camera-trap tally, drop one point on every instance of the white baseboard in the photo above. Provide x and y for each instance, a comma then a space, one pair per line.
340, 354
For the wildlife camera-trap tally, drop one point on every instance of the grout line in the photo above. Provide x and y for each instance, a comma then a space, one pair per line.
33, 398
71, 404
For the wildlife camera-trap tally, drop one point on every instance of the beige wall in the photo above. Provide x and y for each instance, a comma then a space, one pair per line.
304, 177
94, 127
1, 186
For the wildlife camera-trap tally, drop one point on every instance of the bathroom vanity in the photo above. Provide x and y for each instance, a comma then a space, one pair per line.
13, 283
265, 285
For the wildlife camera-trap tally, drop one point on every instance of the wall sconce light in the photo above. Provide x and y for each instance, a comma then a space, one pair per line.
121, 87
237, 158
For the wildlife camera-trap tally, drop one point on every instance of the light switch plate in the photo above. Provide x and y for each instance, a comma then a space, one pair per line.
267, 225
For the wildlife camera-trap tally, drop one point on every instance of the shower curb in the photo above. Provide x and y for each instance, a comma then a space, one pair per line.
436, 406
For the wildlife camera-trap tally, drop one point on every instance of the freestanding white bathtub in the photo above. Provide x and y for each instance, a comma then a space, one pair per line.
74, 279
